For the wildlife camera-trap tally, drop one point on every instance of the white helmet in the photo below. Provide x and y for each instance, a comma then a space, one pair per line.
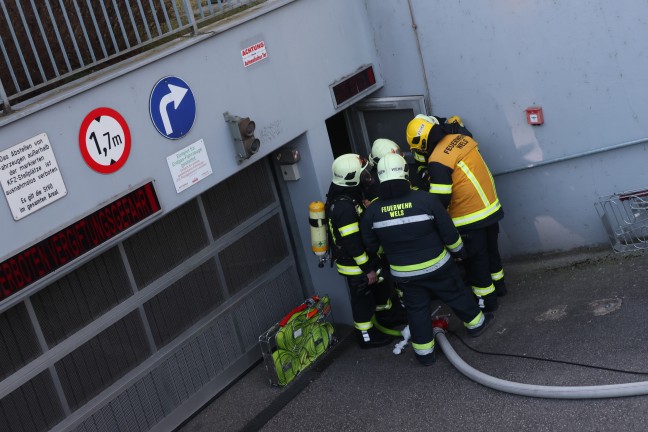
348, 169
381, 147
392, 167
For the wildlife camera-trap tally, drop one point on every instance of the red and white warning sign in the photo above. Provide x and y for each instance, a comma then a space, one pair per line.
104, 140
254, 53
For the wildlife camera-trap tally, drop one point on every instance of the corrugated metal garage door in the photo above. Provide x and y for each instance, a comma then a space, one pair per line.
143, 334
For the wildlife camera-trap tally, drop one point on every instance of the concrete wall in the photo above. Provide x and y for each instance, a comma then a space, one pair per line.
310, 44
584, 63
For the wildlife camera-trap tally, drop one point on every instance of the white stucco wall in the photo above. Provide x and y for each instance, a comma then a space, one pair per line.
310, 45
584, 63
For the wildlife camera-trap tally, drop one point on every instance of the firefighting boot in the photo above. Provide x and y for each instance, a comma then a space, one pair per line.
477, 331
372, 338
426, 359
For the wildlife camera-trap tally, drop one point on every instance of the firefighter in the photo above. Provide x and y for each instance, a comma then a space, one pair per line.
451, 125
379, 148
394, 313
420, 240
368, 290
461, 179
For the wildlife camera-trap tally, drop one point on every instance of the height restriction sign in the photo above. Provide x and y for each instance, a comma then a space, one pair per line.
104, 140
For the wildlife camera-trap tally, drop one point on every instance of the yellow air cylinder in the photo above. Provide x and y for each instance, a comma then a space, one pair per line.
317, 220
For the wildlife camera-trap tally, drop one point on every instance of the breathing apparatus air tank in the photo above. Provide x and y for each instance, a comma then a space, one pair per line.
318, 228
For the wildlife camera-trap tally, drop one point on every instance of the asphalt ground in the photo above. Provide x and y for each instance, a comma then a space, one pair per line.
575, 319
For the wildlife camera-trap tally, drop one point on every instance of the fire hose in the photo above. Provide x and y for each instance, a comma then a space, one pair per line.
538, 391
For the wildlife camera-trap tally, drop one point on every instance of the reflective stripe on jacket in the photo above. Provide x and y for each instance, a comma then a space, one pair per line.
415, 232
471, 188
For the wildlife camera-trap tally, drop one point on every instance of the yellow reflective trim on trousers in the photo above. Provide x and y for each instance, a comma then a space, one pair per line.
348, 270
476, 322
349, 229
361, 259
424, 346
480, 291
423, 349
386, 306
384, 329
477, 216
498, 276
454, 247
441, 189
363, 325
474, 181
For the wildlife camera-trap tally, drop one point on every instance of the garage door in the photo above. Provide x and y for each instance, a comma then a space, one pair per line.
142, 335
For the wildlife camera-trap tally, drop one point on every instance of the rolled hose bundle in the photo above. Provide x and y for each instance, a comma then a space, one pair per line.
319, 339
294, 333
287, 365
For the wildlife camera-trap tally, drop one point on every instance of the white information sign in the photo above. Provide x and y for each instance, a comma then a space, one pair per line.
254, 53
30, 176
189, 165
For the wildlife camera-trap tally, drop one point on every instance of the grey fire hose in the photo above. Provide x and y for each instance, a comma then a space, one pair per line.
538, 391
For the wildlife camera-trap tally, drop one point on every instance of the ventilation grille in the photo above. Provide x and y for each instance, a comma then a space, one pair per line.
18, 343
166, 243
235, 200
81, 297
92, 367
32, 407
184, 303
198, 362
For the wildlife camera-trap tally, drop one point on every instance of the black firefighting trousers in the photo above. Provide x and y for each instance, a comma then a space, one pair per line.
446, 285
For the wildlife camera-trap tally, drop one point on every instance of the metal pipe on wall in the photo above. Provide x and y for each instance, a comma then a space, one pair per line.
428, 99
574, 156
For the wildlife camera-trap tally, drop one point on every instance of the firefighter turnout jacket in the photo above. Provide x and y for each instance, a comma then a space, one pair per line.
461, 179
343, 211
414, 230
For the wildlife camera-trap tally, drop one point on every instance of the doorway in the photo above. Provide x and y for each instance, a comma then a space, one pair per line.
355, 129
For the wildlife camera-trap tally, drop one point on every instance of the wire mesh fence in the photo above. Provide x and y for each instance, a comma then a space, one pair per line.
44, 43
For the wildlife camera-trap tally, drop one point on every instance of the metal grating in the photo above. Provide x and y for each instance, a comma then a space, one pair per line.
18, 344
157, 394
32, 407
253, 315
253, 254
92, 367
163, 245
184, 303
81, 297
91, 376
198, 362
235, 200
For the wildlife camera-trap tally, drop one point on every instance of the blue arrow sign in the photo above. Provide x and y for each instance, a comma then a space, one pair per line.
172, 107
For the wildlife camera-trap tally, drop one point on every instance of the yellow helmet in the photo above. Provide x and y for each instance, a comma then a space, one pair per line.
418, 130
455, 119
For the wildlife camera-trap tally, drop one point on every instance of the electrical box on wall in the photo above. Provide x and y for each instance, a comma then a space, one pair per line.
534, 115
290, 172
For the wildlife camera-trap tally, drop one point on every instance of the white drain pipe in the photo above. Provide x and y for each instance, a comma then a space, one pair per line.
538, 391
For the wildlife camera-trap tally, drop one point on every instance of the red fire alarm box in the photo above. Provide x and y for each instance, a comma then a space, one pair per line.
534, 115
